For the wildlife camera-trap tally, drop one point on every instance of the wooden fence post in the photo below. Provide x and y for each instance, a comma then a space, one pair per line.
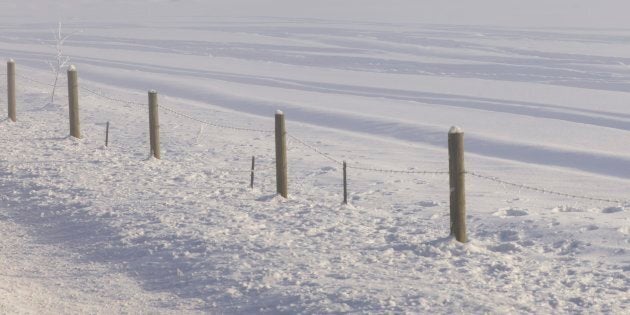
11, 89
345, 184
107, 134
73, 102
251, 181
281, 156
154, 124
457, 184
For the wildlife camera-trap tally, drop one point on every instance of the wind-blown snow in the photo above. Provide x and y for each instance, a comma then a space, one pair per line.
86, 228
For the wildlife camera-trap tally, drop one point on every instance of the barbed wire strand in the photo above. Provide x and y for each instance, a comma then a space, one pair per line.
101, 95
168, 109
542, 190
35, 81
314, 149
377, 170
173, 111
270, 165
369, 169
98, 94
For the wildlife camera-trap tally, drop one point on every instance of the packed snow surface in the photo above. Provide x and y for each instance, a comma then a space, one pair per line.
89, 228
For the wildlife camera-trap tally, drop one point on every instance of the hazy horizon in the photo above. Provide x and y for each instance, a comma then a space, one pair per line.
513, 13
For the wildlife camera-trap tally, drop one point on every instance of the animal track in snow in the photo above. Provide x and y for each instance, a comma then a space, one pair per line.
511, 212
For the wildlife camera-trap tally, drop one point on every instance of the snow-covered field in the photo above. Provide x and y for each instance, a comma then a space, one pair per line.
86, 228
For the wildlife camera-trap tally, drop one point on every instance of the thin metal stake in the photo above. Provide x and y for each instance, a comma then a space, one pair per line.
251, 182
107, 134
345, 184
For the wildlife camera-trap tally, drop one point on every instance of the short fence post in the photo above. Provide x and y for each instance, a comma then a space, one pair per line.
73, 102
11, 89
154, 124
457, 185
345, 184
107, 134
281, 156
251, 181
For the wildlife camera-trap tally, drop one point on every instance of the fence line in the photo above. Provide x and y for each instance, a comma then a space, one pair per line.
197, 159
207, 123
376, 170
544, 191
35, 81
271, 165
93, 92
326, 156
362, 168
173, 111
331, 158
474, 174
168, 109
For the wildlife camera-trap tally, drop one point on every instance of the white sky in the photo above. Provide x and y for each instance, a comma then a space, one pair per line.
531, 13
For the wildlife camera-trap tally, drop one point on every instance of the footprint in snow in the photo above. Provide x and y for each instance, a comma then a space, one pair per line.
613, 209
566, 247
509, 236
511, 212
505, 248
566, 209
270, 198
323, 170
428, 203
590, 227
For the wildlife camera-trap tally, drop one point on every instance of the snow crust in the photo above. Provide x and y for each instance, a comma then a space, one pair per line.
72, 68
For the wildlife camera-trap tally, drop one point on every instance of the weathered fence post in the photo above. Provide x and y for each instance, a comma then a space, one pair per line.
281, 156
107, 134
457, 184
73, 102
11, 88
154, 124
345, 184
251, 181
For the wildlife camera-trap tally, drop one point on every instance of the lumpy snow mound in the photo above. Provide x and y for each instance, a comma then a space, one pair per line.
89, 228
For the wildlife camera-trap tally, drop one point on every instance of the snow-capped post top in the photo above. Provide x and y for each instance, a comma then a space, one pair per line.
279, 112
72, 68
455, 129
11, 60
153, 91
